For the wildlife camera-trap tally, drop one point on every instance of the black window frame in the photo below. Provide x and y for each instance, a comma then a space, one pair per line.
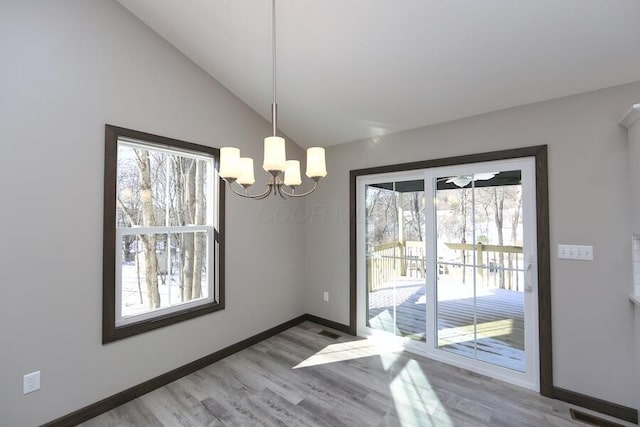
111, 332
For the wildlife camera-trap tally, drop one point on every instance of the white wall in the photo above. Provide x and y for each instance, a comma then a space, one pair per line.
593, 348
69, 67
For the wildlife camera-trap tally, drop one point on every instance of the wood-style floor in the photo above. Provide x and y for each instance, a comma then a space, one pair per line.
302, 378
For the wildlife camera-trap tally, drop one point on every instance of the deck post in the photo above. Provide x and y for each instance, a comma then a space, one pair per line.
479, 262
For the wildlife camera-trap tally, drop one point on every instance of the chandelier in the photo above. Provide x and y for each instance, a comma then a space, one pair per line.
285, 174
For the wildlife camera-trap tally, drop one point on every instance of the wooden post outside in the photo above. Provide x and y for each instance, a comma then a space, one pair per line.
510, 264
402, 252
479, 268
369, 274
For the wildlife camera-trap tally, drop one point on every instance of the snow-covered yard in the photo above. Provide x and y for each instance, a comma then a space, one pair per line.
134, 290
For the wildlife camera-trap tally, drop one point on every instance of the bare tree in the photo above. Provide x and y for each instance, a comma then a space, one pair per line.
382, 216
515, 220
415, 224
143, 165
456, 223
188, 177
199, 248
498, 204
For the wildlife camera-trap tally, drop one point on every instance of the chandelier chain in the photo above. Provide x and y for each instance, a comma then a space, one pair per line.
274, 108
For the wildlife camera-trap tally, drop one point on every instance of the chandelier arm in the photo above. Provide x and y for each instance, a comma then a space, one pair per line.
315, 185
272, 187
281, 191
277, 186
266, 193
252, 196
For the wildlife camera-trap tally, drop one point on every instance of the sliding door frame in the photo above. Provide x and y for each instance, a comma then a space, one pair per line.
542, 235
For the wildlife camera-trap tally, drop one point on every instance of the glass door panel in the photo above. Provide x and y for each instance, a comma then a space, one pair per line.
480, 265
395, 258
455, 272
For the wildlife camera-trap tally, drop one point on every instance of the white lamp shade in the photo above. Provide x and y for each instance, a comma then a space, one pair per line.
229, 162
316, 167
292, 173
246, 171
274, 154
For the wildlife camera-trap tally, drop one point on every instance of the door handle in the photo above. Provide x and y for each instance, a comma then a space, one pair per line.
528, 279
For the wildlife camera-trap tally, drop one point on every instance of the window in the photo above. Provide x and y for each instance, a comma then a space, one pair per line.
163, 232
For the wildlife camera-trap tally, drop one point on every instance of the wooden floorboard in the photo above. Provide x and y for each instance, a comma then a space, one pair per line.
499, 315
302, 378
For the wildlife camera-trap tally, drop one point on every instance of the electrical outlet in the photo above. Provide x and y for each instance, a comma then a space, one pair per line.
31, 382
325, 297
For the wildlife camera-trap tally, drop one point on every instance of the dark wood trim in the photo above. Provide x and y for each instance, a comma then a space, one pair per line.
598, 405
329, 323
544, 273
222, 197
131, 393
451, 161
109, 232
109, 330
542, 205
162, 140
353, 260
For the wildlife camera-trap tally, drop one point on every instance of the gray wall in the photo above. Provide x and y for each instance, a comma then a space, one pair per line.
634, 168
69, 67
593, 320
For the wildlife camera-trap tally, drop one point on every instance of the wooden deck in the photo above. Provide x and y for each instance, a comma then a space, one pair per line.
499, 317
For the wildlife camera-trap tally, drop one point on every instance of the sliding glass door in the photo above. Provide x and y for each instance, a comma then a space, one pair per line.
447, 261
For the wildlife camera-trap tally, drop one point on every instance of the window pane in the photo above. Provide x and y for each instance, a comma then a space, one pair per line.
157, 188
163, 270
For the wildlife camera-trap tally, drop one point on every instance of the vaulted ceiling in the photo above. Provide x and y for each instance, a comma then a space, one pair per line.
351, 69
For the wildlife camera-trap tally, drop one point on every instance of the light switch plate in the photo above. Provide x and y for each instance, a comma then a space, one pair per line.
576, 252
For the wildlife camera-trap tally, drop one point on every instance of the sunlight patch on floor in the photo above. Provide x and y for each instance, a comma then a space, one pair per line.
460, 334
340, 352
416, 403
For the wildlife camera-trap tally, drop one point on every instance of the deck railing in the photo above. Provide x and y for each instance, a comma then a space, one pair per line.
499, 265
394, 259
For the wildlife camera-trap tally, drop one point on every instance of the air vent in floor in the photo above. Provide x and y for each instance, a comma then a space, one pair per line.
329, 334
591, 419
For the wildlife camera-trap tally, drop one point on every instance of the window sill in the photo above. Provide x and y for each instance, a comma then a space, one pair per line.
635, 299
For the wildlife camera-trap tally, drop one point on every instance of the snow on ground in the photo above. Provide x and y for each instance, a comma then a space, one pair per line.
134, 299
